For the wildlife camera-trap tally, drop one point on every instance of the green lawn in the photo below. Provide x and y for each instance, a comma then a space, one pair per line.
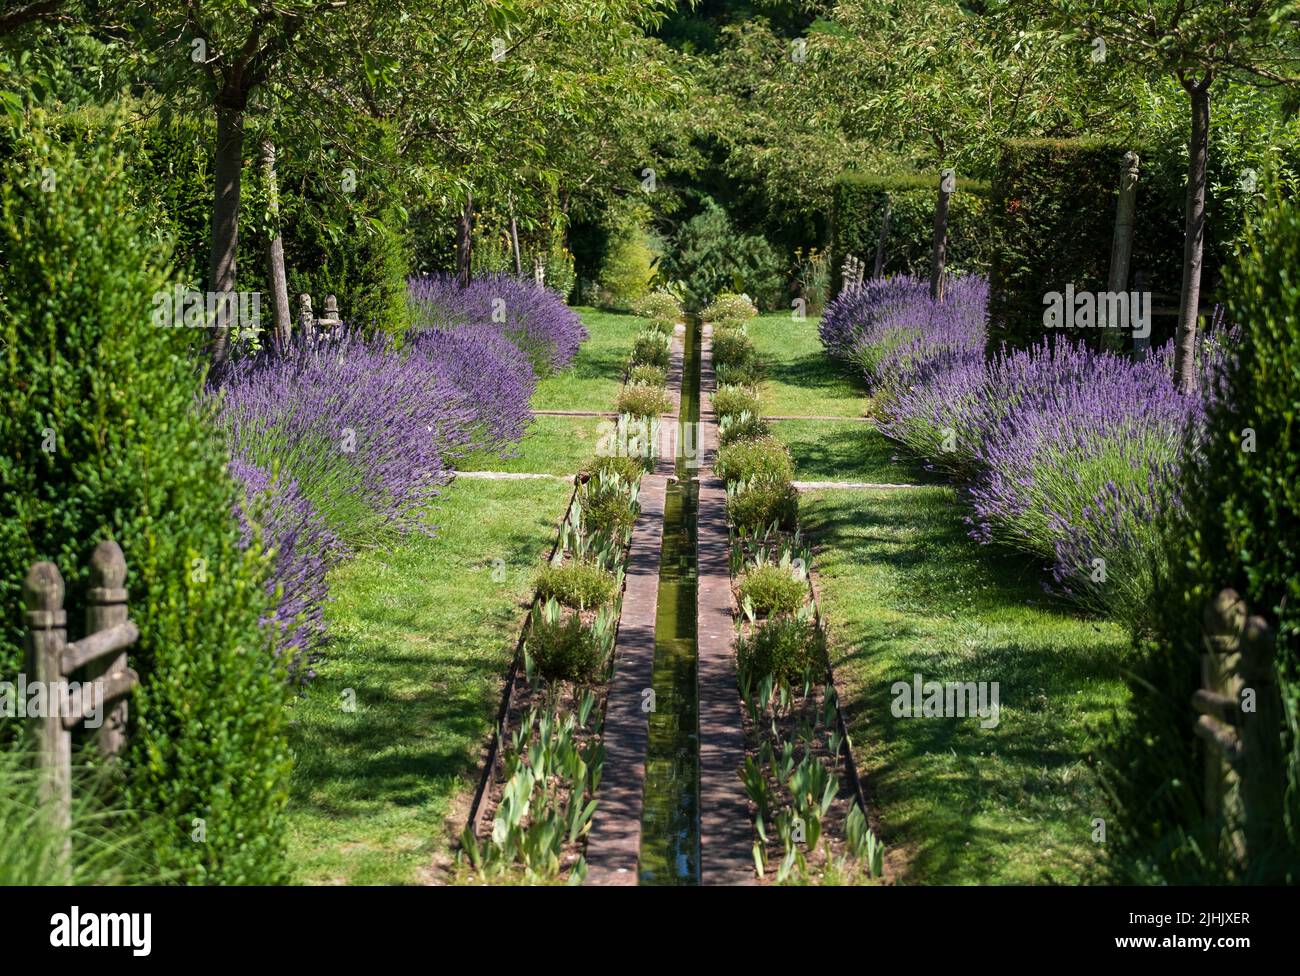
593, 381
423, 634
847, 450
560, 445
906, 591
801, 379
552, 445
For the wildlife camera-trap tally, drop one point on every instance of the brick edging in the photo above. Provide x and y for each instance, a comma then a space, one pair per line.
614, 842
726, 833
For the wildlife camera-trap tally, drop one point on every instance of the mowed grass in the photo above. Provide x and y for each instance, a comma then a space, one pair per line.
423, 635
846, 450
560, 445
906, 591
551, 445
801, 379
593, 380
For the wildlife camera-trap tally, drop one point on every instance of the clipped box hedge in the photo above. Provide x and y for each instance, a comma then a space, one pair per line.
858, 206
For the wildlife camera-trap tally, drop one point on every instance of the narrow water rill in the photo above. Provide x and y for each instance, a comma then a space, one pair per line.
670, 827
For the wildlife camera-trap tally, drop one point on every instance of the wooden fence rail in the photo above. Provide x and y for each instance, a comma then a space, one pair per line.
1240, 722
51, 660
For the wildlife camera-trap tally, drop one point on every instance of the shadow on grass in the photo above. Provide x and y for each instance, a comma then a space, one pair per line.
390, 732
908, 592
826, 450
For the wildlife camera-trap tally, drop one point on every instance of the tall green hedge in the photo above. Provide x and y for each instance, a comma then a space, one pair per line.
1240, 530
100, 438
1052, 222
858, 207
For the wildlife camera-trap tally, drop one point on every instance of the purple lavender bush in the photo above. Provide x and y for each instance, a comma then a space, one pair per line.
889, 327
275, 512
1080, 454
534, 318
1070, 454
369, 434
491, 372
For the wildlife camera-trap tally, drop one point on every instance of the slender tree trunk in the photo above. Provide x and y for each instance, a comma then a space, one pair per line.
1198, 152
275, 275
224, 240
514, 240
939, 249
463, 234
1121, 250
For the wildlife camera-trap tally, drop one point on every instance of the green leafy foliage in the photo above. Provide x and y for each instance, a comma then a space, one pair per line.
772, 589
755, 459
659, 306
1051, 225
788, 648
708, 256
100, 439
563, 648
737, 427
643, 401
859, 209
1239, 531
756, 506
647, 376
729, 400
651, 349
743, 374
580, 585
620, 465
729, 306
734, 348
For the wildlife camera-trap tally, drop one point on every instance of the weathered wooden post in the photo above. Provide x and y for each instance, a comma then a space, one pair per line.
939, 249
1218, 702
1262, 764
47, 631
1241, 720
1121, 249
1141, 344
106, 608
878, 268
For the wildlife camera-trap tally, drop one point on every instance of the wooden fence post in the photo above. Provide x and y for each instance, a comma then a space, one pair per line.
939, 249
105, 608
1262, 768
1241, 722
47, 631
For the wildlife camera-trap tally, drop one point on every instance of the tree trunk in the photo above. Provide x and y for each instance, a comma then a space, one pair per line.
939, 249
514, 240
463, 232
275, 275
224, 241
1121, 250
1198, 151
